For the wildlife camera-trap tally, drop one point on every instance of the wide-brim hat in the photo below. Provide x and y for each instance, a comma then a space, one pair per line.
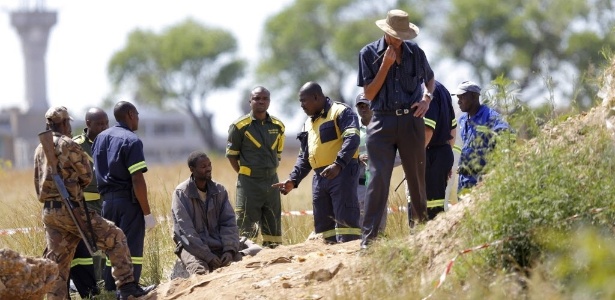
397, 25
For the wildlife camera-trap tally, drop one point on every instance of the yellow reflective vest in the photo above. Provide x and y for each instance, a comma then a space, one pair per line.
324, 137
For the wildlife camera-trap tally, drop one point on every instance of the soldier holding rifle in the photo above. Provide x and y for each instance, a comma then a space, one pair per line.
61, 171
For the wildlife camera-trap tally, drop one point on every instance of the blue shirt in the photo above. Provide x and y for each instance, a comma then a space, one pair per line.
440, 117
402, 86
117, 153
478, 137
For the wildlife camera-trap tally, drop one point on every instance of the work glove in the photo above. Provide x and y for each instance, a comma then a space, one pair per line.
227, 258
150, 221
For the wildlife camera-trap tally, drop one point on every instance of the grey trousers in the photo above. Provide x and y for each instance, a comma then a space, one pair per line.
195, 265
362, 195
388, 133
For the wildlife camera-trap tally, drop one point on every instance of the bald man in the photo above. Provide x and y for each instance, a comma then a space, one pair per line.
119, 164
86, 270
329, 146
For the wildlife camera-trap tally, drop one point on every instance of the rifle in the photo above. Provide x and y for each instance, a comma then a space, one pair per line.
46, 139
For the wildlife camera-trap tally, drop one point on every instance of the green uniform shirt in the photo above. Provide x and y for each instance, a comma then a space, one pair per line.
258, 144
86, 145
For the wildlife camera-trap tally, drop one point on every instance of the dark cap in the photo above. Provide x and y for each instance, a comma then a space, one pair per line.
467, 86
361, 99
57, 114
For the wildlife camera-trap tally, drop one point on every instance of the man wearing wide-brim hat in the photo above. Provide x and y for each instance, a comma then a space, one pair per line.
391, 71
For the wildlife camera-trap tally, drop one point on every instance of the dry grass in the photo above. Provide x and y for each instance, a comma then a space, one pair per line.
20, 209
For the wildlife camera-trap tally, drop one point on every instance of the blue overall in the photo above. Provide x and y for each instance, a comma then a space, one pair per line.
118, 154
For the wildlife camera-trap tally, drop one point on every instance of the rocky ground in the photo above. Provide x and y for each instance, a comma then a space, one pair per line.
25, 277
311, 270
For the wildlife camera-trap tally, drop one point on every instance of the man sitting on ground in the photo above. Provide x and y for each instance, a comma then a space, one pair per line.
204, 226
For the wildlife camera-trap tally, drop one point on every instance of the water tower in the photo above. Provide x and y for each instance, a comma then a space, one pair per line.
33, 23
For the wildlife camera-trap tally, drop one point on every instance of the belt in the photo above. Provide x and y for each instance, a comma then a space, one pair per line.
57, 204
53, 204
362, 181
397, 112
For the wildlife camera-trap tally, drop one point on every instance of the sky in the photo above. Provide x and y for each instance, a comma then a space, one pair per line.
88, 33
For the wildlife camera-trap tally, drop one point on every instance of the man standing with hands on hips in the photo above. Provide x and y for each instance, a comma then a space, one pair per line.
391, 71
119, 164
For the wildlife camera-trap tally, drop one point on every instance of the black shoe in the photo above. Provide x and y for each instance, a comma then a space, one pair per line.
133, 289
271, 245
148, 288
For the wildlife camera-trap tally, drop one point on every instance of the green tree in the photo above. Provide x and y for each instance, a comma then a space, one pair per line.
319, 40
178, 68
531, 40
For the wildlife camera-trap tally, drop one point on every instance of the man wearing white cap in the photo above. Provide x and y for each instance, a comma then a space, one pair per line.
479, 124
391, 71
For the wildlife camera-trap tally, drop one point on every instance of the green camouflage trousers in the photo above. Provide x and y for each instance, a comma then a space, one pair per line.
62, 237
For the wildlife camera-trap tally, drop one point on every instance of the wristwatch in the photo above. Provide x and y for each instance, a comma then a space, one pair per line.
430, 95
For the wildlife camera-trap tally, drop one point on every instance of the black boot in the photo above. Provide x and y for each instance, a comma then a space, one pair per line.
133, 289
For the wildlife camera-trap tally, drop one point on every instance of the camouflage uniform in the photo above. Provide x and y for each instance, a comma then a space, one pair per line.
61, 233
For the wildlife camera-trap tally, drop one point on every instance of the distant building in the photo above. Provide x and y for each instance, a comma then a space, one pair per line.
167, 137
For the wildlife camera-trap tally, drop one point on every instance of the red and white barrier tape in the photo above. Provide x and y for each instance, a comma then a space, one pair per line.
12, 231
298, 213
449, 265
390, 210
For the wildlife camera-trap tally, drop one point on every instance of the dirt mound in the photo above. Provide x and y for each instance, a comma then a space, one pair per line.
443, 229
313, 270
310, 270
25, 277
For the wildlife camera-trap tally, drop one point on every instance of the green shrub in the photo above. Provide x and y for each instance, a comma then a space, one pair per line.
540, 185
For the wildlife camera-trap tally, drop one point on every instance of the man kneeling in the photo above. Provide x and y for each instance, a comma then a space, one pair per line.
204, 226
